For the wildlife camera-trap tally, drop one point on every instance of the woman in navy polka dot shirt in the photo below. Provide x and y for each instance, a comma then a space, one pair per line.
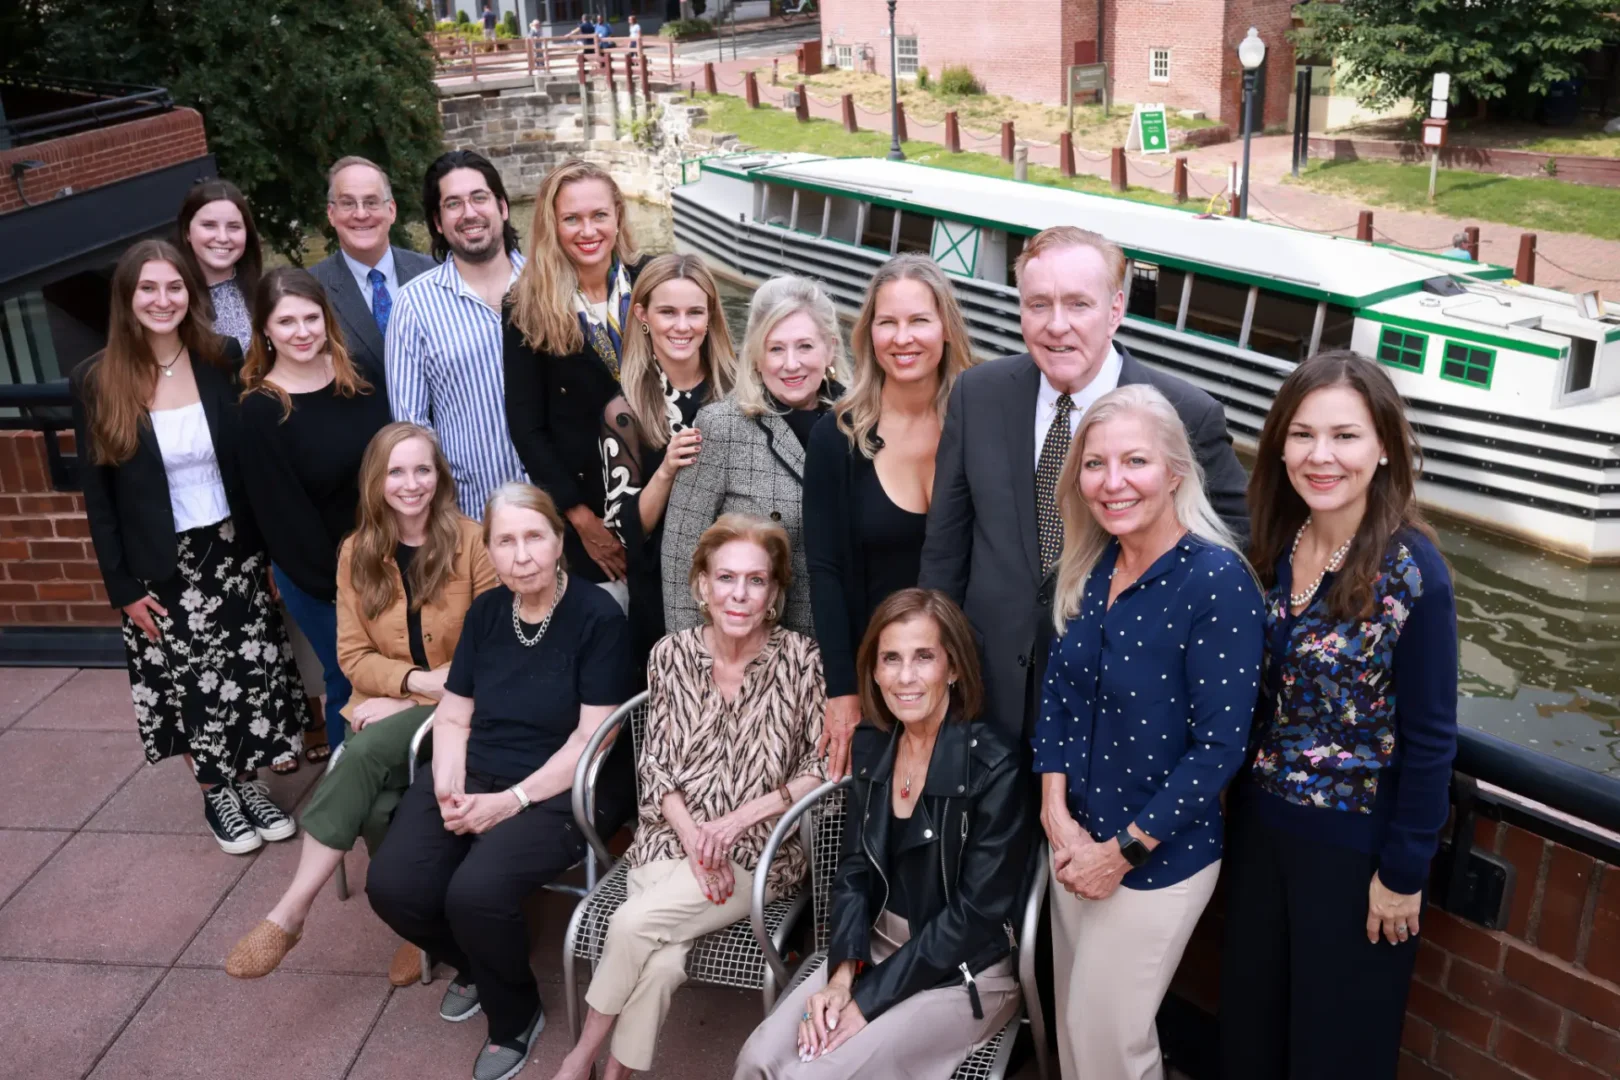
1145, 711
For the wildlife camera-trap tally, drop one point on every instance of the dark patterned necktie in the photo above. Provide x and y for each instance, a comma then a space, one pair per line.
1053, 451
382, 305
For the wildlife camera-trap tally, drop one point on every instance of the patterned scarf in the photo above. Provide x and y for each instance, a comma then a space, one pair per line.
604, 336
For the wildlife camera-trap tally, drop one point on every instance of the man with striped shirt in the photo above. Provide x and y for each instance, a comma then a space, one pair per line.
444, 335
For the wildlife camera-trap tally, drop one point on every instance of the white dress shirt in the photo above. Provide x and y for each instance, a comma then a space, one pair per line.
362, 273
1106, 379
196, 488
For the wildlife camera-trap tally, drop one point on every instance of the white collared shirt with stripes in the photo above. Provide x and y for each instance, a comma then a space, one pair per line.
444, 372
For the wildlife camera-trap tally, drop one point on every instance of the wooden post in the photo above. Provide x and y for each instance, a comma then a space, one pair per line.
670, 46
1364, 226
1116, 168
801, 104
528, 48
708, 78
1007, 140
1525, 268
1066, 154
607, 69
580, 58
900, 121
847, 104
1472, 232
751, 89
774, 62
1179, 183
953, 133
646, 86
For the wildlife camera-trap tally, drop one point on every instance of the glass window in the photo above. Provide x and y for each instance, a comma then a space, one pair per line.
1282, 325
844, 57
1468, 364
905, 54
1159, 65
1401, 349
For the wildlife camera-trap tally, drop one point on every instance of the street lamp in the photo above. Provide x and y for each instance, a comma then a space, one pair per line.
895, 153
1251, 54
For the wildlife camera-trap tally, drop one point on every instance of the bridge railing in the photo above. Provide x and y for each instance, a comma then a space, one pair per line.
458, 57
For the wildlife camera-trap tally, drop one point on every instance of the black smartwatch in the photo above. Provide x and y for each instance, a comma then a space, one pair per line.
1136, 853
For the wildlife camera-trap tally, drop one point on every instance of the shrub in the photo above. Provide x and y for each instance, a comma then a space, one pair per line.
461, 17
958, 79
509, 23
681, 29
922, 78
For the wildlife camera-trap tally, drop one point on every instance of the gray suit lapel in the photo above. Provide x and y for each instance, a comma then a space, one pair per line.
1018, 414
352, 308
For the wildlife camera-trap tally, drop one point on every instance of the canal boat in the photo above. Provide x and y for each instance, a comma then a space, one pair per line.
1513, 390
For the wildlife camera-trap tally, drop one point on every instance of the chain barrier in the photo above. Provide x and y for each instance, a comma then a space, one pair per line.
1139, 167
1090, 156
1413, 247
1576, 273
913, 122
1295, 225
826, 103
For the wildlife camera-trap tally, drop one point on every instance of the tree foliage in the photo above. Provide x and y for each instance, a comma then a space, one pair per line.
285, 87
1509, 51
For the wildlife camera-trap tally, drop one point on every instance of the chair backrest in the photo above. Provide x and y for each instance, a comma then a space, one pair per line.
822, 832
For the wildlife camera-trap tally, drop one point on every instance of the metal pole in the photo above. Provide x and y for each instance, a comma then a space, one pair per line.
895, 153
1248, 130
1299, 116
1434, 169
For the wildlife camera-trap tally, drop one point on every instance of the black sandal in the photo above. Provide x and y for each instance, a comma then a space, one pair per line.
316, 752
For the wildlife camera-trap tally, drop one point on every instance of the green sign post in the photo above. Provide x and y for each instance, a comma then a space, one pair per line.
1150, 130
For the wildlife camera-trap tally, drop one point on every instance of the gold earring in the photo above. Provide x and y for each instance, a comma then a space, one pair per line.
645, 329
703, 608
770, 613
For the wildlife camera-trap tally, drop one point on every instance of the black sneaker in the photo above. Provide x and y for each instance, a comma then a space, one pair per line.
234, 832
268, 819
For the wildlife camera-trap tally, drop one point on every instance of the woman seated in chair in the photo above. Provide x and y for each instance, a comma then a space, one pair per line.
734, 713
541, 663
919, 970
406, 577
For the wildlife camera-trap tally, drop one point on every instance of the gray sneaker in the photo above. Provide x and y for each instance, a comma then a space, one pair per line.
460, 1002
498, 1061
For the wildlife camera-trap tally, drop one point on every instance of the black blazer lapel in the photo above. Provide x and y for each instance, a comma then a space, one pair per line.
1019, 415
1131, 370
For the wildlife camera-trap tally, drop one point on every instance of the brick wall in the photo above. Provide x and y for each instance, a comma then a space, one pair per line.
1539, 1000
102, 156
48, 571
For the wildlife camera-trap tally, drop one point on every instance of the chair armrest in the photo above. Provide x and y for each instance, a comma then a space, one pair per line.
779, 836
416, 747
589, 767
1032, 920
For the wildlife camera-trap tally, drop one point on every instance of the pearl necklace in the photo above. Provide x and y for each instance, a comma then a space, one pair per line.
1335, 561
545, 623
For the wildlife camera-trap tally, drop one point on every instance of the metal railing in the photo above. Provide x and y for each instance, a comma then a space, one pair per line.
46, 408
111, 103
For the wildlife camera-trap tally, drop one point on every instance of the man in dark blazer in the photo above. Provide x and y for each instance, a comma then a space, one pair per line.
363, 276
983, 546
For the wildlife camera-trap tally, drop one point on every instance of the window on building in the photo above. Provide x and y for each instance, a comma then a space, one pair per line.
1159, 65
1467, 364
1401, 349
905, 54
844, 57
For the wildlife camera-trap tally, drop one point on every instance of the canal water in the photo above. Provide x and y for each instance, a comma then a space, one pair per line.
1540, 633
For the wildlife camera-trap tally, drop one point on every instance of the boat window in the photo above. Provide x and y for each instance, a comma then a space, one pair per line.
1468, 364
1015, 248
1401, 348
778, 205
812, 204
1142, 295
1215, 307
879, 232
1338, 324
1282, 325
916, 233
1582, 364
844, 219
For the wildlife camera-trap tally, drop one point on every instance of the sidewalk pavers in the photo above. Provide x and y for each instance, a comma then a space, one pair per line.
60, 1017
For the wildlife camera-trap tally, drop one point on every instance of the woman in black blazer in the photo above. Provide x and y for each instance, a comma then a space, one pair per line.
210, 669
869, 469
562, 349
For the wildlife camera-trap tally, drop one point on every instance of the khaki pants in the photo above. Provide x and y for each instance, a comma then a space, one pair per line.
644, 957
1112, 961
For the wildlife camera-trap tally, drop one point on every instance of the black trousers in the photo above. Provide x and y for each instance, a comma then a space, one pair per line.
1304, 994
461, 897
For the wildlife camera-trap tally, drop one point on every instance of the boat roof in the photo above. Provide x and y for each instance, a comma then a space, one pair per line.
1338, 269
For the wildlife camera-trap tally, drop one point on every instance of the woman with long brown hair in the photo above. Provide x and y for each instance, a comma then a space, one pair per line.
869, 469
677, 359
563, 351
220, 244
406, 577
1337, 815
157, 423
307, 416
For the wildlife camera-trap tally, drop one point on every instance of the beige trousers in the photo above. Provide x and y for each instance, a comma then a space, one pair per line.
644, 957
1112, 961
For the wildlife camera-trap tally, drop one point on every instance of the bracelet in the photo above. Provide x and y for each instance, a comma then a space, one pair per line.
787, 797
405, 683
522, 797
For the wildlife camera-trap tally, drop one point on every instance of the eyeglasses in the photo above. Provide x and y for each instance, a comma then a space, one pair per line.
480, 199
371, 204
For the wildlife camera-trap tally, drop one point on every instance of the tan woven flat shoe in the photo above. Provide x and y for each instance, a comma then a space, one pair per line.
260, 951
406, 967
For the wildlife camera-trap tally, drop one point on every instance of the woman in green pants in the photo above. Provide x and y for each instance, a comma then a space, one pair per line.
406, 576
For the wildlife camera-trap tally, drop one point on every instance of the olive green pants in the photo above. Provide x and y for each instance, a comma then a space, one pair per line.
357, 798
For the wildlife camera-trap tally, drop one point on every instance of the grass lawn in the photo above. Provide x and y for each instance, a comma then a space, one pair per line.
774, 129
1530, 203
1587, 137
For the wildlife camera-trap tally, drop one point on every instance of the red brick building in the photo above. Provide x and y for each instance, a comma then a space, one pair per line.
1180, 52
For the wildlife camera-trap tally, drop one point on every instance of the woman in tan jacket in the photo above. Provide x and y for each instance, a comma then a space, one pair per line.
406, 577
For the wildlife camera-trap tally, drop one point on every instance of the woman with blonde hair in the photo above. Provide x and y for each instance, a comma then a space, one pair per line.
406, 576
869, 469
563, 350
1146, 704
754, 441
677, 359
307, 416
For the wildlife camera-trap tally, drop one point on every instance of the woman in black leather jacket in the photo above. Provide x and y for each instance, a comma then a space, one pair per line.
928, 887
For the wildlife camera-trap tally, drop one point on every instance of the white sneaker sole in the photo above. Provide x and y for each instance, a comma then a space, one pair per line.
527, 1053
285, 831
477, 1008
240, 847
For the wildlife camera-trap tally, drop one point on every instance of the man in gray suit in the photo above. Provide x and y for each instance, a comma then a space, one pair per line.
993, 531
363, 276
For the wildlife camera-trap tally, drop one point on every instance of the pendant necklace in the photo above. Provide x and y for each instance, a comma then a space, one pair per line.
168, 369
517, 623
1335, 561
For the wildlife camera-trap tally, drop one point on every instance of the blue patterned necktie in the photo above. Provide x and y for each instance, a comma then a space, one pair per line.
381, 303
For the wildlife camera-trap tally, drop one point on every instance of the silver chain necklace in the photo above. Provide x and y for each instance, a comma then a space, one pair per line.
1335, 561
517, 623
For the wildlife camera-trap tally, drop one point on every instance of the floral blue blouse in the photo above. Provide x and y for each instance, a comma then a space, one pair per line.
1147, 704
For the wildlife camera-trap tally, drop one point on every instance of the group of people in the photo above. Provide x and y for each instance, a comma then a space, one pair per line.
1013, 600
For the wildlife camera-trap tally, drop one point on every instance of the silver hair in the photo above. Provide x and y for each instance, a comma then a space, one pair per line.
778, 298
355, 159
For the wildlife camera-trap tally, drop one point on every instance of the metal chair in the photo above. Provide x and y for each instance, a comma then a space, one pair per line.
823, 836
727, 957
340, 879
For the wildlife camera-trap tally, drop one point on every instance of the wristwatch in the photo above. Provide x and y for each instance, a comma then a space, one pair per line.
1136, 853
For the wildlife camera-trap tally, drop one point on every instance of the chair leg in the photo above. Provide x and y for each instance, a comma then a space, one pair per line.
340, 879
427, 968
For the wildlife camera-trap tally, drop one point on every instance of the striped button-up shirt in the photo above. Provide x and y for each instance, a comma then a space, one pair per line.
444, 371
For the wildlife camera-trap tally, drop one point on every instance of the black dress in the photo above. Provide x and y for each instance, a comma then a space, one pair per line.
628, 462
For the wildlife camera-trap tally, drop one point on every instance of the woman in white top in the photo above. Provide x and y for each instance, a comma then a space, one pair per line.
210, 671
